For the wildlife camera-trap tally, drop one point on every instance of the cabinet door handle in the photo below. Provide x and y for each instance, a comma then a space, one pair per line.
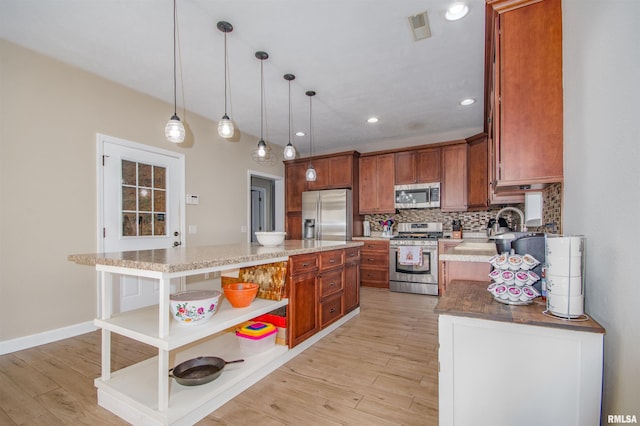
332, 261
332, 310
370, 260
304, 265
333, 284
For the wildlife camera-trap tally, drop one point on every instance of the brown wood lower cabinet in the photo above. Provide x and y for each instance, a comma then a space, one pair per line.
351, 279
374, 264
322, 288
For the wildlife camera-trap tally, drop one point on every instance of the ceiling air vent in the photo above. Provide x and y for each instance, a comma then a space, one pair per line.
420, 26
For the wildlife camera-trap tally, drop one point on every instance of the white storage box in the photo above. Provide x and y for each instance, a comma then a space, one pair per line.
257, 337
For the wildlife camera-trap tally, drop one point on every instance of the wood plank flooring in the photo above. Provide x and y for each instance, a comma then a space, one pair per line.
380, 368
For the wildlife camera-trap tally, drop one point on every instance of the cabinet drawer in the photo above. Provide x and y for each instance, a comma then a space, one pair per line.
330, 310
331, 282
331, 259
303, 263
375, 259
352, 254
375, 246
370, 274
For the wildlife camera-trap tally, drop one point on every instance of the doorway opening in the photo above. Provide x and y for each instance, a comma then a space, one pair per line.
266, 204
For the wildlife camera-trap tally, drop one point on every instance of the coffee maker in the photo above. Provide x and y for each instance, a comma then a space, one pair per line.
534, 245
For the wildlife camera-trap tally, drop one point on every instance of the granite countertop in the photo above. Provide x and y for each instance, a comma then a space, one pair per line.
471, 299
181, 259
470, 250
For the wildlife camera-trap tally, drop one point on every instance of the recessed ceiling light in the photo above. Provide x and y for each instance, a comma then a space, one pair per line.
468, 101
300, 133
456, 11
372, 120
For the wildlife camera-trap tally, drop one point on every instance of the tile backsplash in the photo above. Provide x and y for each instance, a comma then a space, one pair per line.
477, 221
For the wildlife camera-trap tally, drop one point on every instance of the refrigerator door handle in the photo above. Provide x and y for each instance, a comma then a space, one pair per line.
319, 218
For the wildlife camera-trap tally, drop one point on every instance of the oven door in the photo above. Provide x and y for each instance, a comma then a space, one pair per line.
425, 273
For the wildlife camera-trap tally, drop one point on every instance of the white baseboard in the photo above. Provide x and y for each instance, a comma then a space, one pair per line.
26, 342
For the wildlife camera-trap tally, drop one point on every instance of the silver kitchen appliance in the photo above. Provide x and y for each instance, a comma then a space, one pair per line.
422, 278
327, 214
417, 196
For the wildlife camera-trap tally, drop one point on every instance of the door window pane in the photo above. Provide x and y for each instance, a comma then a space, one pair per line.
144, 199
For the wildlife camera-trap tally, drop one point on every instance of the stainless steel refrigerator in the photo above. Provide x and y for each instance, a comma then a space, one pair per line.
327, 214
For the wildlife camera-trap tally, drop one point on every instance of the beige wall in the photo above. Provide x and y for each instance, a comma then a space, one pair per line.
602, 178
49, 116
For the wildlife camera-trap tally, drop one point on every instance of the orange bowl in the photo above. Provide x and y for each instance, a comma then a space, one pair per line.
240, 295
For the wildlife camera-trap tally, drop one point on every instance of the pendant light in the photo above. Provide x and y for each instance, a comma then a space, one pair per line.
225, 125
289, 150
174, 130
310, 174
262, 154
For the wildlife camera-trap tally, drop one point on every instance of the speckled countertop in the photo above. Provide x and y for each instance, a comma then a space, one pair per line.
181, 259
470, 250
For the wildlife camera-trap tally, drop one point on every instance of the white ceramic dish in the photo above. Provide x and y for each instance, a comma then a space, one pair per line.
564, 266
563, 306
565, 245
270, 239
564, 286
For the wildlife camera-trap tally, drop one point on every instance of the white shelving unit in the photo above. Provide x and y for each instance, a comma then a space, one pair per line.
144, 393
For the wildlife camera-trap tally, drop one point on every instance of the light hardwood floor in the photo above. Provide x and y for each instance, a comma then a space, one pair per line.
380, 368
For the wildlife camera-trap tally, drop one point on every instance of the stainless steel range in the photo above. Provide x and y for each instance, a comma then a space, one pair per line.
413, 258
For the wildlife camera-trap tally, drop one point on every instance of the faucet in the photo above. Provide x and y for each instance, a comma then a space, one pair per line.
523, 228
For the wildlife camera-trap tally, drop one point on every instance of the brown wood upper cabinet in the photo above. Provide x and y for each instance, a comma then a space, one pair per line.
523, 96
481, 193
453, 186
417, 166
333, 172
376, 184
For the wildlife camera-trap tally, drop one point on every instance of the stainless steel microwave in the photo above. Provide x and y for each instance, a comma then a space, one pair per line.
417, 196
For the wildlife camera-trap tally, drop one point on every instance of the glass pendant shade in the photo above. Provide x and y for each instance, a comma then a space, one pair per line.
262, 148
310, 174
225, 127
174, 130
289, 152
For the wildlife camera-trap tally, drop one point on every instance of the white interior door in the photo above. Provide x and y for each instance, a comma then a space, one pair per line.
141, 206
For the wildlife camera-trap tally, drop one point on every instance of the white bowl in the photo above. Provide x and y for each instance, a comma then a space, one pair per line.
565, 245
564, 306
562, 286
270, 239
194, 307
564, 266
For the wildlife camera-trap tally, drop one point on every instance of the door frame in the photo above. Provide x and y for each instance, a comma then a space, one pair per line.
278, 200
101, 139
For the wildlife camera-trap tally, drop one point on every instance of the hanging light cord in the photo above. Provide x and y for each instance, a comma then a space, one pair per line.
261, 96
175, 98
290, 120
226, 65
310, 129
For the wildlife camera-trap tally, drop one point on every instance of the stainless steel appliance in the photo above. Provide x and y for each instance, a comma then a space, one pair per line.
417, 196
415, 278
327, 215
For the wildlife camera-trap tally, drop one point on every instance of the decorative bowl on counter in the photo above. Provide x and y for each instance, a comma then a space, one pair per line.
270, 239
194, 307
240, 295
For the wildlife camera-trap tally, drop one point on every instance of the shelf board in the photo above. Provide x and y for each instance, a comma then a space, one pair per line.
142, 324
135, 388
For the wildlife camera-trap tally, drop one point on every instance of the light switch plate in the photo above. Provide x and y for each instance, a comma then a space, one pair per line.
193, 199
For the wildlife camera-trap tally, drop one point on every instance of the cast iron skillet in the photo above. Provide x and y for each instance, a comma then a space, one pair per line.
200, 370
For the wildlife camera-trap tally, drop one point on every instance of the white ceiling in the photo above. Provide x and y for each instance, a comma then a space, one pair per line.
358, 55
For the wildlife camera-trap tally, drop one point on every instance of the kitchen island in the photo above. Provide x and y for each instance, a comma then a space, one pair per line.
506, 365
143, 393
